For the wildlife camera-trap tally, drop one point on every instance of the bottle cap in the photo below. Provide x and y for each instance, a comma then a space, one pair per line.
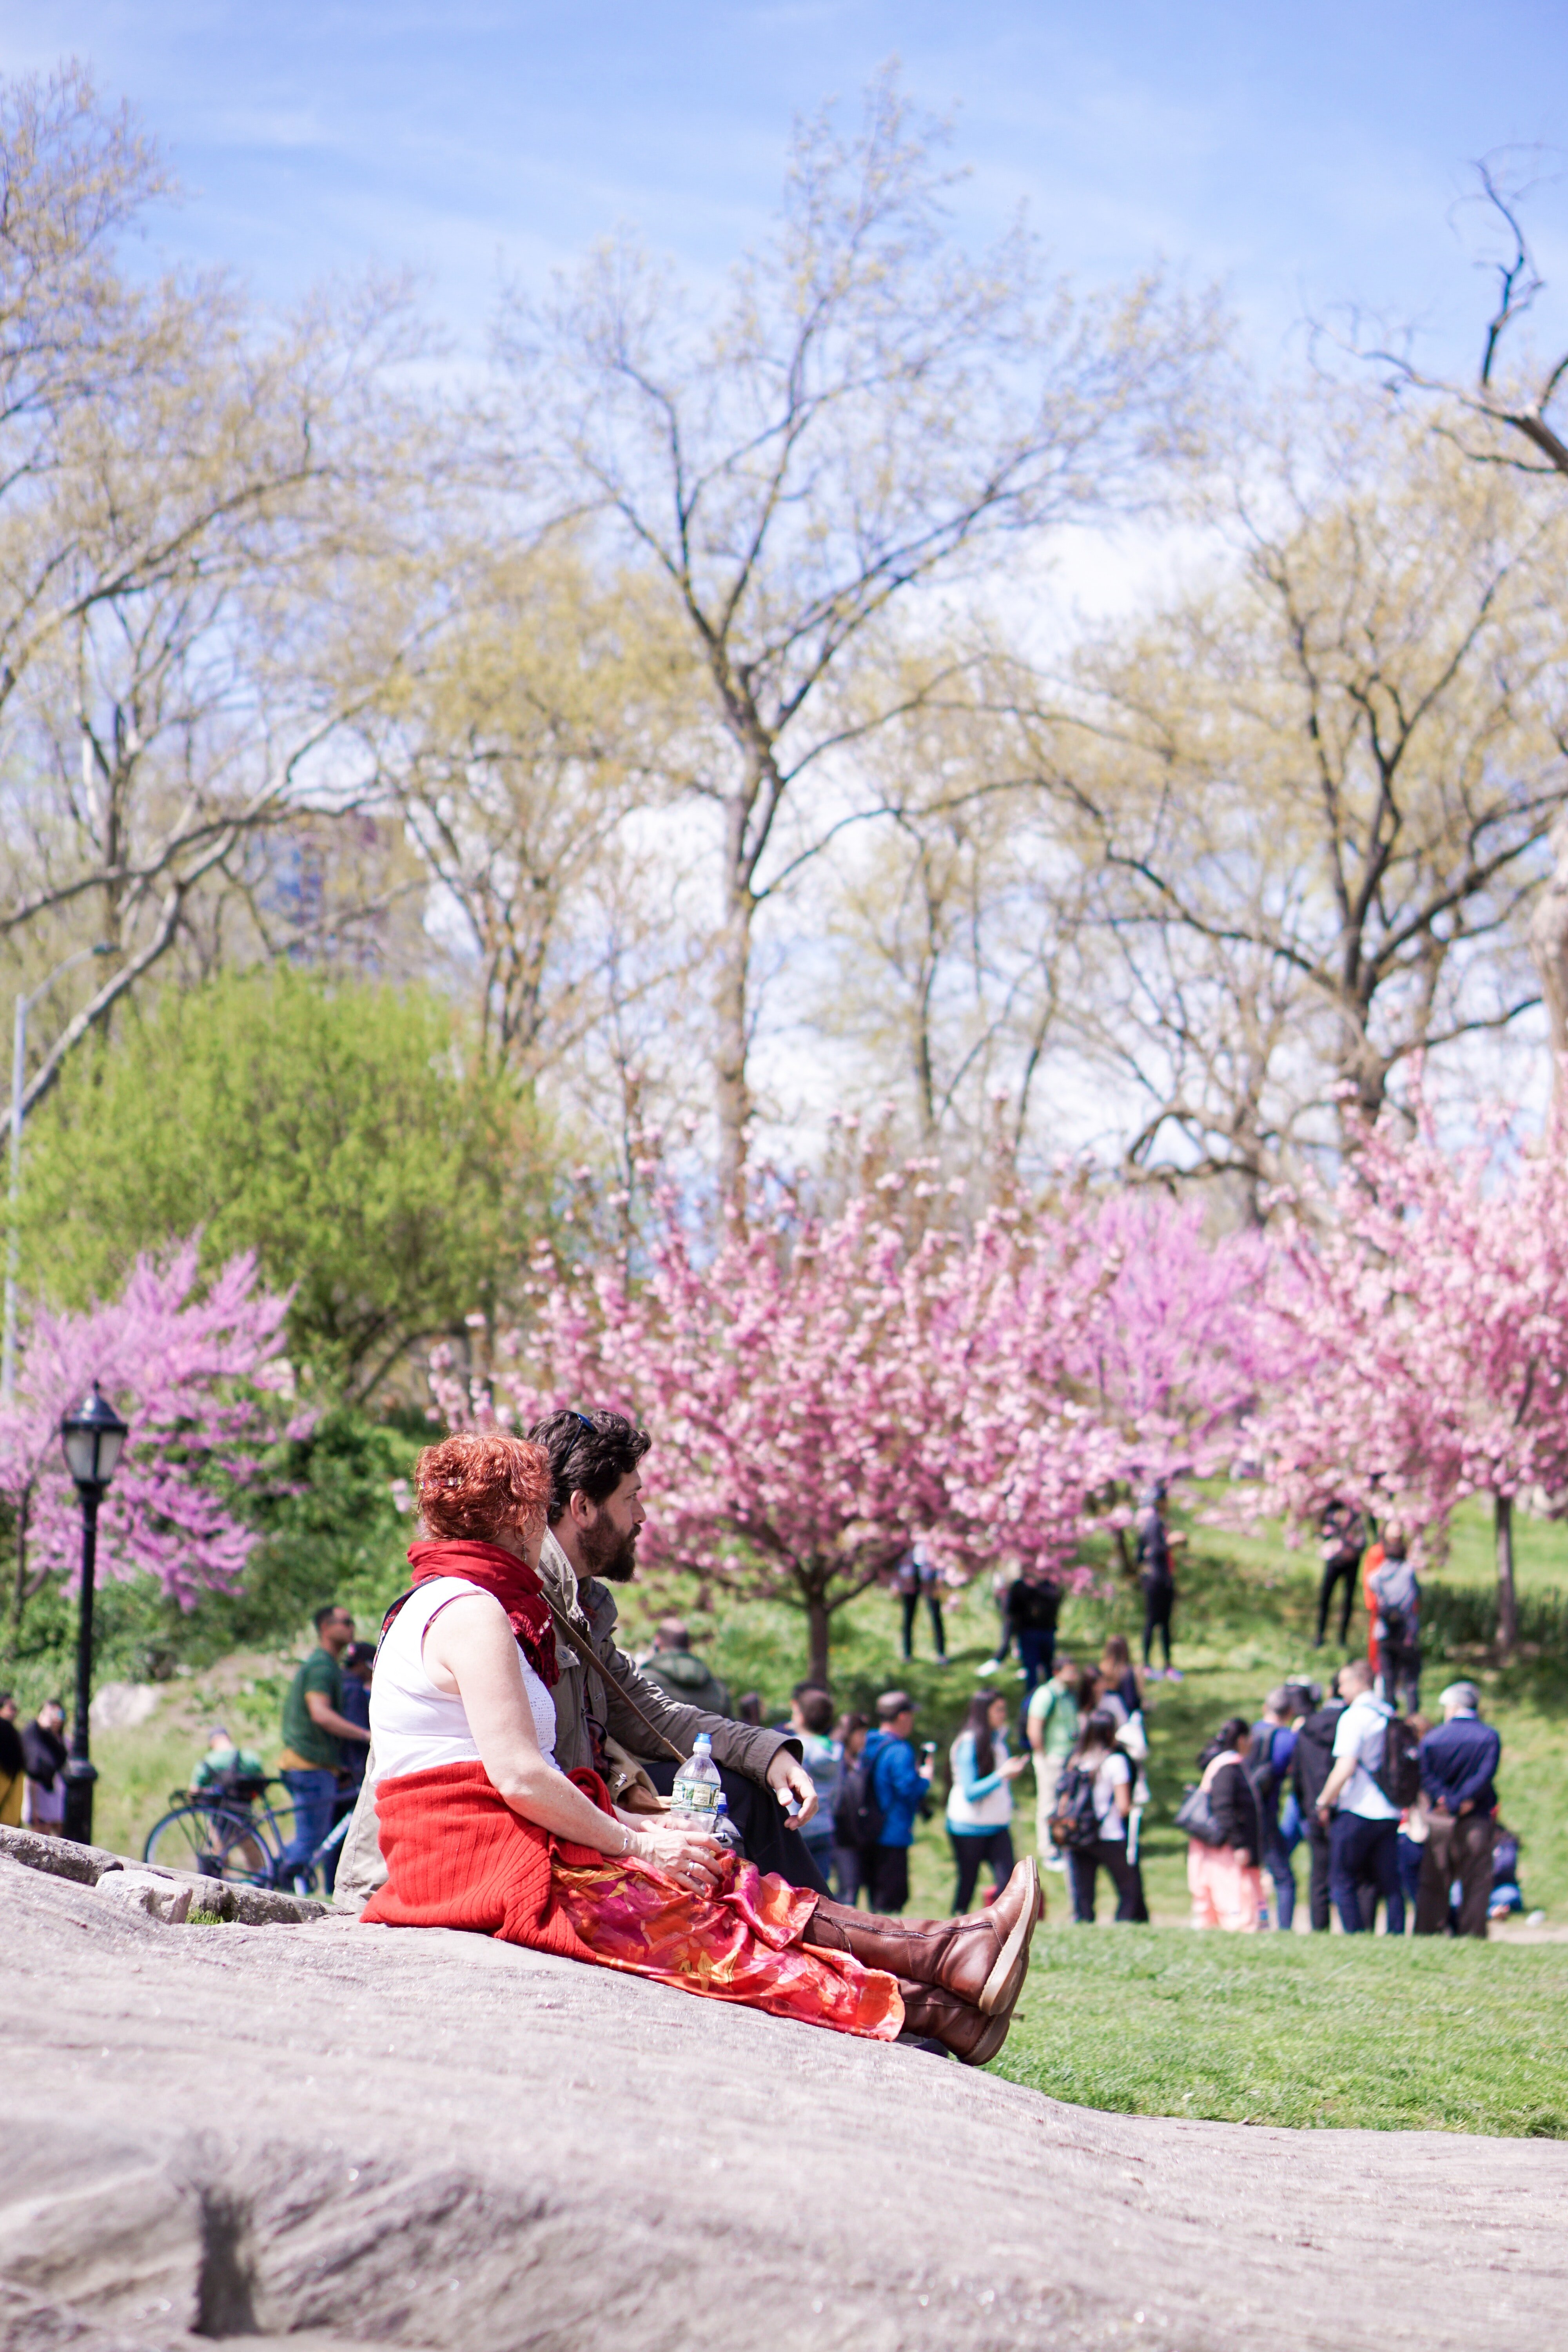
704, 1740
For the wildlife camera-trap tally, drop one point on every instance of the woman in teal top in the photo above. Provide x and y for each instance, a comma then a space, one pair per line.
980, 1806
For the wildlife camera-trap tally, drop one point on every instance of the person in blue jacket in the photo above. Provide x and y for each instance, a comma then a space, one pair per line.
1458, 1780
902, 1782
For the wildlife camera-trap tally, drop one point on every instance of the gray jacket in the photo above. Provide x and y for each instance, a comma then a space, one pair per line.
744, 1747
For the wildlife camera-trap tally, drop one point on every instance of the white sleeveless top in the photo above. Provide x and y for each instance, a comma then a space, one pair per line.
415, 1726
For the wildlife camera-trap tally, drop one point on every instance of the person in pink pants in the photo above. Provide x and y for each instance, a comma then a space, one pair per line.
1226, 1882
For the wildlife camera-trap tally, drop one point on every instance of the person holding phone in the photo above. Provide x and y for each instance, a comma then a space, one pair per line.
979, 1804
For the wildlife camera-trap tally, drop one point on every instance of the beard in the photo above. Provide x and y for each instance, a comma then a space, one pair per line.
612, 1557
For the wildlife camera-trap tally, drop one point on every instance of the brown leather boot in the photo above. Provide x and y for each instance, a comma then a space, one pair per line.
982, 1959
954, 2023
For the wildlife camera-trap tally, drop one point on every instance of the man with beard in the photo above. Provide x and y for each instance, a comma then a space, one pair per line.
608, 1716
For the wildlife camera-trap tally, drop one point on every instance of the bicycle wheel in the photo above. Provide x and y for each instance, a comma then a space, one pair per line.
212, 1844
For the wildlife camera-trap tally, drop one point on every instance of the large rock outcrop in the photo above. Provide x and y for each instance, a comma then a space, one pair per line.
329, 2134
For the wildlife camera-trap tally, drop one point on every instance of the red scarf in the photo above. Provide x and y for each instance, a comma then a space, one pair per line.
514, 1584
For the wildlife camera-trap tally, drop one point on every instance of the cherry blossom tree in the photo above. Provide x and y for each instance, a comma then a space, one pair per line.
1181, 1345
827, 1390
187, 1367
1425, 1305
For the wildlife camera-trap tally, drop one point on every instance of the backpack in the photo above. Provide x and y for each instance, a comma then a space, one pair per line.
1074, 1823
1260, 1764
1314, 1757
1399, 1774
858, 1813
1398, 1598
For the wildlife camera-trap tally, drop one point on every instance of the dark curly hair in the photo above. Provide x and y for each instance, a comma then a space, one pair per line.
589, 1454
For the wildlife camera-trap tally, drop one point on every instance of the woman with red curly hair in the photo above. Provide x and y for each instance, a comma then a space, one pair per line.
480, 1828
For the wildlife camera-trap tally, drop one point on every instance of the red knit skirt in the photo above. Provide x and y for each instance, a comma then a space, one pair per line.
458, 1856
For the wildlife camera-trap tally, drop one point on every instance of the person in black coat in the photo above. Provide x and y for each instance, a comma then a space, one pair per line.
1233, 1794
13, 1764
1309, 1768
1225, 1877
1156, 1573
44, 1753
1032, 1603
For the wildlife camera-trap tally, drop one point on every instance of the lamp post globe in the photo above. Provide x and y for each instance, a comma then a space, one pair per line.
93, 1436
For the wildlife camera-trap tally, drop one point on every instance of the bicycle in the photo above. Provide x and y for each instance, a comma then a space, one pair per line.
218, 1832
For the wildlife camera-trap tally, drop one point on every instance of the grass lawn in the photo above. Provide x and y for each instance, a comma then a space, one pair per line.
1301, 2031
1298, 2030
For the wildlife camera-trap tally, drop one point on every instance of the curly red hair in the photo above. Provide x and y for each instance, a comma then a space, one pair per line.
481, 1483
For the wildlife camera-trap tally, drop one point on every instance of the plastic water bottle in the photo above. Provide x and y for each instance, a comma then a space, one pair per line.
694, 1800
724, 1829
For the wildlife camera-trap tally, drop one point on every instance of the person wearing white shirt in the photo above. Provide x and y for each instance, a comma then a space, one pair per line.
1363, 1825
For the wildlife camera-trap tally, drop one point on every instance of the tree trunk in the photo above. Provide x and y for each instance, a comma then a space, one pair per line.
1549, 947
816, 1626
1506, 1606
732, 1021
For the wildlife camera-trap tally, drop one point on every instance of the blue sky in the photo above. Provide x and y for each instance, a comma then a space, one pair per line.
1302, 156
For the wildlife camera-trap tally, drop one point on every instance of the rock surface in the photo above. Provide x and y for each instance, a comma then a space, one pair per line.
89, 1865
355, 2136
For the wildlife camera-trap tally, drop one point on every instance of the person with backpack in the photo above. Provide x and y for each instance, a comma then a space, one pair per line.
1093, 1805
811, 1722
1342, 1541
1268, 1760
1393, 1611
1458, 1764
1051, 1723
1310, 1765
1224, 1875
1360, 1808
851, 1864
882, 1794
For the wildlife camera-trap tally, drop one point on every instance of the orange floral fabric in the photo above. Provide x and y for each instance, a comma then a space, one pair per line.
458, 1856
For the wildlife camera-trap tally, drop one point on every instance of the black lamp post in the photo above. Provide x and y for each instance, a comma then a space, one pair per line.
93, 1435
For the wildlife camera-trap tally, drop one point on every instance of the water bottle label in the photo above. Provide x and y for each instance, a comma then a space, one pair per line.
695, 1796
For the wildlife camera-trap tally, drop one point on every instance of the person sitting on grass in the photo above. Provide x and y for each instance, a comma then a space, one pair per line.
679, 1673
481, 1830
1225, 1881
224, 1766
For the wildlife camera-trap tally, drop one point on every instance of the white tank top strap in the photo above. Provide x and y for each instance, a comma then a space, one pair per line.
415, 1728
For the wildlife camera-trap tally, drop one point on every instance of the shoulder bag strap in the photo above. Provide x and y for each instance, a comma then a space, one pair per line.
595, 1664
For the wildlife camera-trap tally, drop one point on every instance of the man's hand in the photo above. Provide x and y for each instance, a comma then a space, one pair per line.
789, 1779
321, 1711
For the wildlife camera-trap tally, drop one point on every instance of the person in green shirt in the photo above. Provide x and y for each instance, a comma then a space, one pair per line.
313, 1726
1052, 1725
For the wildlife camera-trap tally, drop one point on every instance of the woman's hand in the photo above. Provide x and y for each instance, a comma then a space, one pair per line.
691, 1855
1015, 1765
